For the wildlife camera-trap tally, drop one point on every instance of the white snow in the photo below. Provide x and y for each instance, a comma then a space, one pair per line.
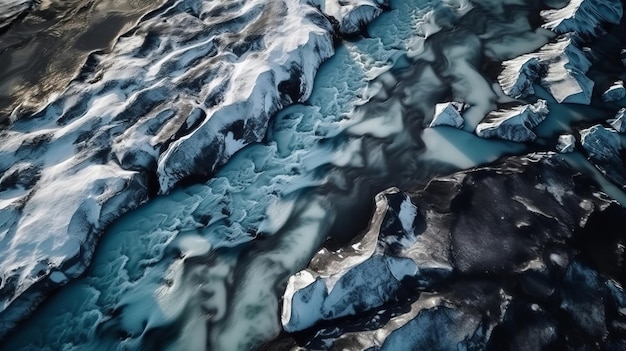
353, 15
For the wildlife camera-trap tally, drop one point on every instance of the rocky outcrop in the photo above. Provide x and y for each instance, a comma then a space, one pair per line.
524, 246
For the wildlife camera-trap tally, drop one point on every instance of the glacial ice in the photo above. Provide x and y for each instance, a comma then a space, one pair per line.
618, 122
561, 66
603, 146
353, 15
204, 264
586, 18
519, 76
175, 104
566, 143
448, 114
615, 93
514, 124
363, 288
438, 328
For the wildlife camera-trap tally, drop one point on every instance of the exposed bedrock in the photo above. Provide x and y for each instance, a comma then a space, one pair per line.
526, 255
194, 82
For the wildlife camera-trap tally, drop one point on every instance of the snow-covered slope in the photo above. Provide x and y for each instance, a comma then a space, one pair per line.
177, 96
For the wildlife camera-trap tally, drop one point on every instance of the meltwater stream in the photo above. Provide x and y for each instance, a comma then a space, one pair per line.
204, 267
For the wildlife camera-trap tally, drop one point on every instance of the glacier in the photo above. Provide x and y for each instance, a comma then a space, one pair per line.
133, 117
280, 174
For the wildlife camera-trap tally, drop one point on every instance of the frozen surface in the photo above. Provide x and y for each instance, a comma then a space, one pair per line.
515, 124
584, 17
603, 147
566, 143
448, 114
198, 92
190, 85
561, 66
615, 93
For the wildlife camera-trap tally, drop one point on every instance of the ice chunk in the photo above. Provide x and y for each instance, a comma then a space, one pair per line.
448, 114
566, 143
584, 17
619, 122
603, 148
560, 67
615, 93
514, 125
519, 76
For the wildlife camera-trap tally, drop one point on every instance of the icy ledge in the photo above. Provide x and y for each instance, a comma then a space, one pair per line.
177, 96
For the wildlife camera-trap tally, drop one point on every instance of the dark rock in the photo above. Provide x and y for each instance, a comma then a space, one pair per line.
528, 256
